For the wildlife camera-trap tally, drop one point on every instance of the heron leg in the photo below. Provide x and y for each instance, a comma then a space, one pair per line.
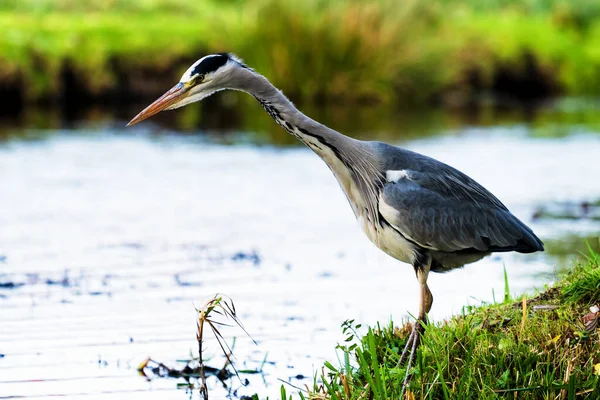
426, 301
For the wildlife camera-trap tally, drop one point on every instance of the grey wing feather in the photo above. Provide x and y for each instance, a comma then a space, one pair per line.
440, 208
434, 174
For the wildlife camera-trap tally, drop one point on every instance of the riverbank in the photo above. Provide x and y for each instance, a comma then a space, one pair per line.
411, 52
546, 346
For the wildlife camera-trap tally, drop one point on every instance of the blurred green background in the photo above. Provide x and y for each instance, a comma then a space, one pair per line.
442, 51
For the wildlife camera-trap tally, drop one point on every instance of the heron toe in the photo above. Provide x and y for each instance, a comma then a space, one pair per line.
409, 354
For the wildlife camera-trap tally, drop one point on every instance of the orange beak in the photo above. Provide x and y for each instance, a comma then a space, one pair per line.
175, 94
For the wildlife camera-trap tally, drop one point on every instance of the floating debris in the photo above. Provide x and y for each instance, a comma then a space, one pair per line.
253, 257
99, 293
10, 285
182, 282
64, 282
151, 368
192, 372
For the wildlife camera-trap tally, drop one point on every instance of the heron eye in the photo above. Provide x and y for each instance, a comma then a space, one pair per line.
194, 80
198, 78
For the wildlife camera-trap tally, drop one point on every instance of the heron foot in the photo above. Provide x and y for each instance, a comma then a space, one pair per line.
409, 354
410, 350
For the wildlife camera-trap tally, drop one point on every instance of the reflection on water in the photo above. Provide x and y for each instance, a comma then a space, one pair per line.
231, 117
111, 236
564, 248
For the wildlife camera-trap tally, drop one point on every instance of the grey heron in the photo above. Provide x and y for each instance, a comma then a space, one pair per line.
413, 207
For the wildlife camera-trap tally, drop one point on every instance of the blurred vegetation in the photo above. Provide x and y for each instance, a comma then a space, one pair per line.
411, 51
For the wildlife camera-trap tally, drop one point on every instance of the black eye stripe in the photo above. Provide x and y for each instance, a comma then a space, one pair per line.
210, 64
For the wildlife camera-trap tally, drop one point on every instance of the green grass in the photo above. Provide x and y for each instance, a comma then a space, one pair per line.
489, 352
410, 51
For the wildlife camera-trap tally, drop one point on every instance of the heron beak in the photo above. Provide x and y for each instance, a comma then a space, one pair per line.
164, 102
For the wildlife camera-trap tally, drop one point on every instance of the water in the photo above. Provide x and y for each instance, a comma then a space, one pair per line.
111, 237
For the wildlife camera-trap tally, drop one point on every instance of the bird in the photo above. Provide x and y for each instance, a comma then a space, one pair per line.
416, 209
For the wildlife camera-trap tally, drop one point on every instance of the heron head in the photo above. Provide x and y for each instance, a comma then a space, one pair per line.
207, 75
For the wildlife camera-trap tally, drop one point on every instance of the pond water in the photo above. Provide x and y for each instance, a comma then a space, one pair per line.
110, 238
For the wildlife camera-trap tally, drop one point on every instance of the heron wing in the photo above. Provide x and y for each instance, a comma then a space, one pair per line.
450, 212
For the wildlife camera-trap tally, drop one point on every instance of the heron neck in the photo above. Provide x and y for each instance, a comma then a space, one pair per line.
349, 159
312, 133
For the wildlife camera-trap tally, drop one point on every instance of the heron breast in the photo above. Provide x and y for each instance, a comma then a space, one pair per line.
388, 240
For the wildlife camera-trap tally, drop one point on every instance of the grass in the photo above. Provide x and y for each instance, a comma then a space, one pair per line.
523, 348
410, 52
214, 315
